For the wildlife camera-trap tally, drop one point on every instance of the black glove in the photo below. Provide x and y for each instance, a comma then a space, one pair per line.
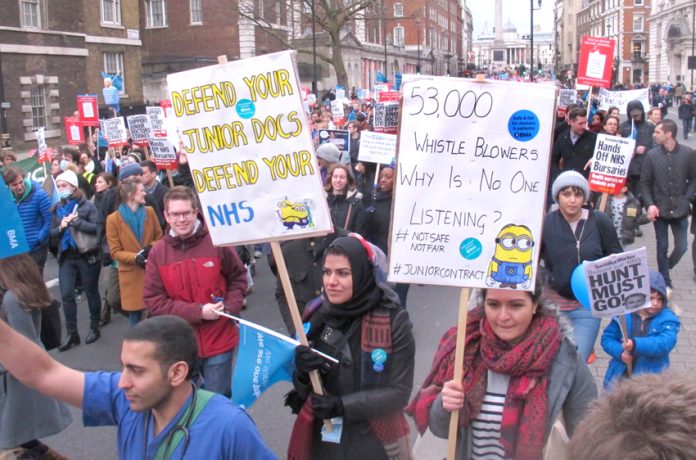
306, 360
141, 259
326, 407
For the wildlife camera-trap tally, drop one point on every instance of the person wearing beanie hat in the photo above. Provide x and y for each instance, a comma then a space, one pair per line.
327, 155
129, 170
571, 234
651, 335
73, 239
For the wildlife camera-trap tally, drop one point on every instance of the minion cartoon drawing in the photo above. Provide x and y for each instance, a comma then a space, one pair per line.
511, 264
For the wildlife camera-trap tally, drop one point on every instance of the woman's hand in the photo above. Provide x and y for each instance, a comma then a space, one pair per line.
452, 396
67, 219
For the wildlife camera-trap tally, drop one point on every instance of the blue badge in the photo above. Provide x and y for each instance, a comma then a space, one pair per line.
245, 109
379, 357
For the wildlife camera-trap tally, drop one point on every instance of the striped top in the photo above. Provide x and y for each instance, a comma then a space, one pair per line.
486, 426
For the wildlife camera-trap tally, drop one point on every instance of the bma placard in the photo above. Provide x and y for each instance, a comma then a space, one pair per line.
472, 168
250, 149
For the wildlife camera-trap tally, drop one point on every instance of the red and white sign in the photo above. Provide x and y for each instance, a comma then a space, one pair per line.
389, 96
610, 162
87, 109
114, 130
163, 154
42, 147
337, 113
596, 59
73, 130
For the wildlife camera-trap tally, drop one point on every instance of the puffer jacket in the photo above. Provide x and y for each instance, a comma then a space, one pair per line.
181, 275
35, 212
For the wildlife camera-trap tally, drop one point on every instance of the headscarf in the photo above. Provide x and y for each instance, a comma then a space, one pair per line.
369, 288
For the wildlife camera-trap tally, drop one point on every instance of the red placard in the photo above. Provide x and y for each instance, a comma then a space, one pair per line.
87, 109
596, 60
389, 96
73, 130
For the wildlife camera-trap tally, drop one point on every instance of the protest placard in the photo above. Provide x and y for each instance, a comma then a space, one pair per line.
114, 130
42, 148
619, 283
377, 147
567, 97
389, 96
87, 109
250, 150
337, 112
621, 99
73, 130
156, 115
610, 162
139, 128
596, 60
163, 153
339, 137
471, 183
386, 117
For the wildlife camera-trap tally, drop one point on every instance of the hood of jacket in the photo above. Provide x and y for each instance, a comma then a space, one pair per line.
657, 283
635, 104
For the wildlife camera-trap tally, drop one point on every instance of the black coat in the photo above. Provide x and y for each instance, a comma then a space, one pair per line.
574, 156
377, 221
668, 180
644, 136
347, 212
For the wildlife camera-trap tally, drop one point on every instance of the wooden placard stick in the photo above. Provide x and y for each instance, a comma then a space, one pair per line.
603, 202
296, 318
458, 369
170, 179
624, 333
146, 150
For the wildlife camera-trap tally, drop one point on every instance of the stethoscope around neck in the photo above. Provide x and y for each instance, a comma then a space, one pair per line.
182, 427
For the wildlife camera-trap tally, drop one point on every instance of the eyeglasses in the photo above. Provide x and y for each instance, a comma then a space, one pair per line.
179, 215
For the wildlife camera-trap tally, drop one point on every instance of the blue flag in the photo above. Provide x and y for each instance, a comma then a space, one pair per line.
264, 358
381, 78
12, 238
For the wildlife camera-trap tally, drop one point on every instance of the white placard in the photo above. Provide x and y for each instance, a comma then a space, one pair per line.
87, 109
621, 99
41, 140
619, 283
377, 147
139, 127
610, 162
156, 115
567, 97
250, 150
471, 183
114, 130
163, 153
337, 112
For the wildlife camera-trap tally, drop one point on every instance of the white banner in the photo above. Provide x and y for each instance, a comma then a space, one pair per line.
377, 147
619, 283
471, 183
621, 98
250, 150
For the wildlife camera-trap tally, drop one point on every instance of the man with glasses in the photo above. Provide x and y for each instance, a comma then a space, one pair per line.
187, 276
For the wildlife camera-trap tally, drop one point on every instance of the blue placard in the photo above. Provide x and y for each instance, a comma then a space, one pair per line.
12, 238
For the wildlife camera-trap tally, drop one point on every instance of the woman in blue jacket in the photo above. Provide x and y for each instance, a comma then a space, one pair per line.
652, 335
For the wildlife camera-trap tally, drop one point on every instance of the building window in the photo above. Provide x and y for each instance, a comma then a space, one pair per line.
38, 107
113, 65
398, 10
156, 13
638, 23
637, 2
398, 36
277, 11
111, 12
196, 11
31, 13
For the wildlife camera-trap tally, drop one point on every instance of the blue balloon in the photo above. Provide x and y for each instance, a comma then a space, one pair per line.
579, 285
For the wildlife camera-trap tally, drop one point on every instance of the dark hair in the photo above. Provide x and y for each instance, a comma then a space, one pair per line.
109, 178
669, 126
21, 275
612, 117
600, 114
180, 193
349, 174
74, 154
577, 112
612, 108
646, 417
127, 188
173, 338
149, 164
11, 173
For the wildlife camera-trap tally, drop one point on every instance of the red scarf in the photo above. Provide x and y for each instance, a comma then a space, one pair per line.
527, 363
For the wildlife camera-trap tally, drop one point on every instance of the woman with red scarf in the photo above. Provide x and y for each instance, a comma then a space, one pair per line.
521, 372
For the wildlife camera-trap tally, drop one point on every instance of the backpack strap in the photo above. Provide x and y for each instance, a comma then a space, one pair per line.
172, 442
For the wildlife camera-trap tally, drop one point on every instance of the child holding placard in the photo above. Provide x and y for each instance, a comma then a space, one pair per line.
652, 335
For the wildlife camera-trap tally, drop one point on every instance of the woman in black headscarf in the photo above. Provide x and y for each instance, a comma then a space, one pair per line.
361, 325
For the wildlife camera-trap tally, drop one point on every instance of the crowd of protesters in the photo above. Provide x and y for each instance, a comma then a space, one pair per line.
526, 355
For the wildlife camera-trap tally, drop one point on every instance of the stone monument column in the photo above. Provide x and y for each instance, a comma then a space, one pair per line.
498, 44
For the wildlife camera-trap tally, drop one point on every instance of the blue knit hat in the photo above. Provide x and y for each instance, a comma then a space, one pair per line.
131, 169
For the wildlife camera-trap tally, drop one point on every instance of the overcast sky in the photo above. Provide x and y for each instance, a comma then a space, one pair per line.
483, 12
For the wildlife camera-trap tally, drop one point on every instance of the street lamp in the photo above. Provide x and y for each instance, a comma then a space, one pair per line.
693, 42
418, 23
314, 52
531, 37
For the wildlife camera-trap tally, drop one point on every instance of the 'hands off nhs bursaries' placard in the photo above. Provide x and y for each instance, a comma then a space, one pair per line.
243, 127
471, 181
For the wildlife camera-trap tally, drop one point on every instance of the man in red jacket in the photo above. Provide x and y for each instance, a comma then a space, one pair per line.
188, 277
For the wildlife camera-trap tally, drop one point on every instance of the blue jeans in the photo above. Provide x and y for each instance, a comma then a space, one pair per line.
585, 329
217, 373
134, 317
681, 243
686, 126
68, 271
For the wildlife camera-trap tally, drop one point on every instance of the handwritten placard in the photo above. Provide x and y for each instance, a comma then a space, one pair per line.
250, 149
377, 147
621, 99
471, 183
